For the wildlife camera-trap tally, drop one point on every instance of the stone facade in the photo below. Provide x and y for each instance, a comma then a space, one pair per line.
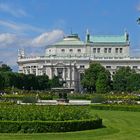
69, 57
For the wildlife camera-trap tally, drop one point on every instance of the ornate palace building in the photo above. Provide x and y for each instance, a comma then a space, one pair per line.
69, 57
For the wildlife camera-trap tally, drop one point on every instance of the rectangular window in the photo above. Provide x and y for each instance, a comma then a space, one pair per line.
34, 71
116, 50
79, 50
109, 50
82, 66
98, 50
62, 50
108, 67
135, 67
121, 50
94, 50
105, 50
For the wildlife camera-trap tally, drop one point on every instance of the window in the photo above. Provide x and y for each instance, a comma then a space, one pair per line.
82, 66
116, 50
71, 50
28, 71
79, 50
34, 71
108, 67
60, 72
98, 50
109, 50
94, 50
121, 50
135, 67
105, 50
62, 50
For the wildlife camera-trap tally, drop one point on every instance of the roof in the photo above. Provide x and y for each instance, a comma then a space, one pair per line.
109, 39
70, 40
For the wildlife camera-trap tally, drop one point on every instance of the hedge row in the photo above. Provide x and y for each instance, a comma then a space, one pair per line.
48, 126
135, 108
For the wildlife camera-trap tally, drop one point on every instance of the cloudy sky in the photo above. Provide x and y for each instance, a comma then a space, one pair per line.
33, 24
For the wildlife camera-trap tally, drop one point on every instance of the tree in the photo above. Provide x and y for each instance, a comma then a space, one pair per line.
90, 78
5, 68
1, 81
9, 79
43, 82
103, 83
55, 82
30, 82
133, 83
120, 78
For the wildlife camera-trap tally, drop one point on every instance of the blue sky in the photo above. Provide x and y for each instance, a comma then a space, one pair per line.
33, 24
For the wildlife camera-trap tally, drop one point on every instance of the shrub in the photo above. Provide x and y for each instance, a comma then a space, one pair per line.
50, 126
98, 99
29, 99
135, 108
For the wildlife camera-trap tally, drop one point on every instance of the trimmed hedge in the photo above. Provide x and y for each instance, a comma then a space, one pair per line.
48, 126
135, 108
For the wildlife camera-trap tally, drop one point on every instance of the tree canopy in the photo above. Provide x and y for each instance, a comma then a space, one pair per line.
121, 77
5, 68
96, 78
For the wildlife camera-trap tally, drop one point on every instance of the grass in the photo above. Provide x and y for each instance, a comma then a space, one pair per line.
120, 125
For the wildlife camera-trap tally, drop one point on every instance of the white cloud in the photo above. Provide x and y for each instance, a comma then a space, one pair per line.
12, 10
19, 27
7, 38
47, 38
10, 43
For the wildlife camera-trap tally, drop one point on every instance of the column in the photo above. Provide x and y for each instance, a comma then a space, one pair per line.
36, 70
30, 70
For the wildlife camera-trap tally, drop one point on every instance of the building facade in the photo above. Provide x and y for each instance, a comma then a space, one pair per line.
69, 57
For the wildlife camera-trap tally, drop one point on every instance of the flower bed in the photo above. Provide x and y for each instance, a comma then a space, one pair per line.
33, 118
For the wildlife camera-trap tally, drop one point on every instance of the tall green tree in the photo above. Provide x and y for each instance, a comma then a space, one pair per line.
55, 82
120, 78
103, 83
91, 75
133, 83
5, 68
9, 79
1, 81
43, 82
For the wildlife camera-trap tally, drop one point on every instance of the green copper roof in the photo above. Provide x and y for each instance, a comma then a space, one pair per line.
108, 39
70, 40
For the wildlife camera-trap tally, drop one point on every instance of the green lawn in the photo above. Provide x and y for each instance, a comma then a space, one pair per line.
120, 125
